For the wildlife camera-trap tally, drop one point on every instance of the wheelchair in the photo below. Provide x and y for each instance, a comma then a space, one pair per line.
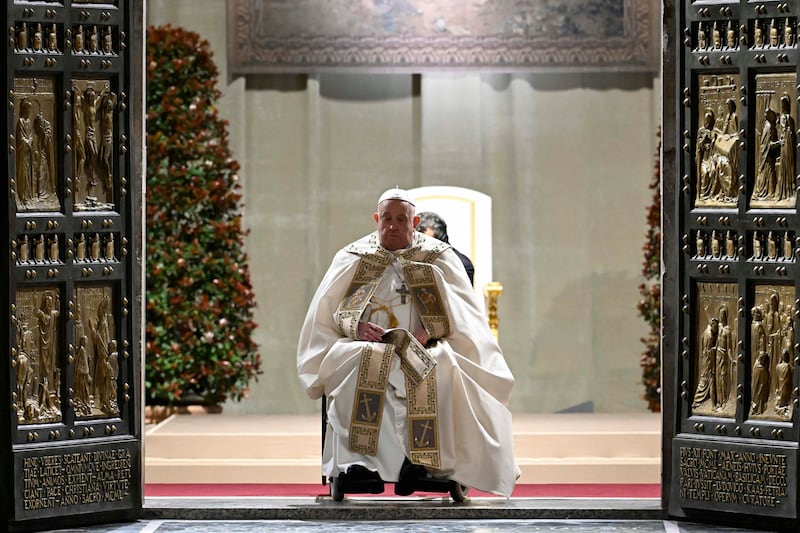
344, 484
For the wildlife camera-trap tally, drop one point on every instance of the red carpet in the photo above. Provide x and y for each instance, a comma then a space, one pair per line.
288, 490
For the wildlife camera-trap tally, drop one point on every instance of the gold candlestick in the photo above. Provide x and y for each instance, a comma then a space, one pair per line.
492, 292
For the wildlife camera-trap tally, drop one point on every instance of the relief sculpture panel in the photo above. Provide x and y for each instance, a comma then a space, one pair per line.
773, 246
96, 353
771, 345
715, 361
716, 245
773, 33
37, 356
717, 142
33, 144
776, 140
93, 109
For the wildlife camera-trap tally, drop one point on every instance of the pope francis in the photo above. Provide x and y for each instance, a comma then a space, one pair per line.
416, 384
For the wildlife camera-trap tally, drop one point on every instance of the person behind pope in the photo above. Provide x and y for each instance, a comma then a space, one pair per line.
427, 399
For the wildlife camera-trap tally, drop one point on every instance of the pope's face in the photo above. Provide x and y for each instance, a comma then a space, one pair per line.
396, 222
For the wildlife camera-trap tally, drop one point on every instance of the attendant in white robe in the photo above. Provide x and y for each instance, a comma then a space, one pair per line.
399, 278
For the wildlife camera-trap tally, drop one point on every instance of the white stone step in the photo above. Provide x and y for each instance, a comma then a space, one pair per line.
573, 448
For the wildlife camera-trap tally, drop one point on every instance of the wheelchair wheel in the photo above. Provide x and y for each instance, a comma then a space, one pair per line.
336, 489
458, 492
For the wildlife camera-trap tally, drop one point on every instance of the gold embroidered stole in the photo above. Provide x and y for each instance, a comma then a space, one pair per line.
376, 358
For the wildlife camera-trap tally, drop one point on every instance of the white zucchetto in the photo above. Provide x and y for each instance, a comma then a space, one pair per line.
395, 194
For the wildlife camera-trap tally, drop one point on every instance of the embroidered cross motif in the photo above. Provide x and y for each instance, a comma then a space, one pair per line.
403, 292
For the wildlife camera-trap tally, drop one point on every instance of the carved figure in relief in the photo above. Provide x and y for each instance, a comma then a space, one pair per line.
46, 159
706, 385
28, 378
760, 384
725, 361
701, 38
22, 37
725, 152
38, 249
113, 359
788, 252
730, 245
52, 39
53, 255
79, 330
788, 33
708, 185
700, 244
47, 318
94, 40
83, 378
785, 381
772, 327
109, 254
715, 245
23, 249
785, 165
758, 336
107, 42
757, 251
107, 137
26, 188
24, 363
758, 36
101, 336
37, 38
104, 389
773, 33
112, 371
730, 122
80, 248
91, 104
730, 36
78, 129
772, 247
716, 36
77, 40
787, 329
95, 249
769, 149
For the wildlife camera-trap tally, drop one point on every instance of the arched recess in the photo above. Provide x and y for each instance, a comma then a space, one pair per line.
468, 214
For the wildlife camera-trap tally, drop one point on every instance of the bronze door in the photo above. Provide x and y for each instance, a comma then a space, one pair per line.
71, 425
731, 259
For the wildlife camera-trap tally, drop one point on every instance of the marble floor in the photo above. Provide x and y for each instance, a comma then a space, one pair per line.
437, 526
423, 514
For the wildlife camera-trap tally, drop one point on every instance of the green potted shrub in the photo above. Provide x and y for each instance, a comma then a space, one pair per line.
199, 346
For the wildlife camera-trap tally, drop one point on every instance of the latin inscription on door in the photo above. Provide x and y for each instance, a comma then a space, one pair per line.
89, 477
729, 476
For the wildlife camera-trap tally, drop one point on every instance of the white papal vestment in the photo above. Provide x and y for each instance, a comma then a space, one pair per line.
472, 380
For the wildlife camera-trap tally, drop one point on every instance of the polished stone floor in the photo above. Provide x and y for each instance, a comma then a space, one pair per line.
373, 515
435, 526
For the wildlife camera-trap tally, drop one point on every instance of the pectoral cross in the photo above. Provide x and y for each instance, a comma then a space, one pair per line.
403, 292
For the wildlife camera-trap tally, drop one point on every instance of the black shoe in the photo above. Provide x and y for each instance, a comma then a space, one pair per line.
359, 479
410, 476
358, 473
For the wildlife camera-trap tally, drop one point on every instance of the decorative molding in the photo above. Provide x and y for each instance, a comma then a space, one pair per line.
291, 36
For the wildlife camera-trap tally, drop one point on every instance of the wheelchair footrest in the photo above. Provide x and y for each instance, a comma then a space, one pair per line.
431, 485
362, 487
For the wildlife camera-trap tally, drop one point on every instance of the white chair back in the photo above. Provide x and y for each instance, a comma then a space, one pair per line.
468, 215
